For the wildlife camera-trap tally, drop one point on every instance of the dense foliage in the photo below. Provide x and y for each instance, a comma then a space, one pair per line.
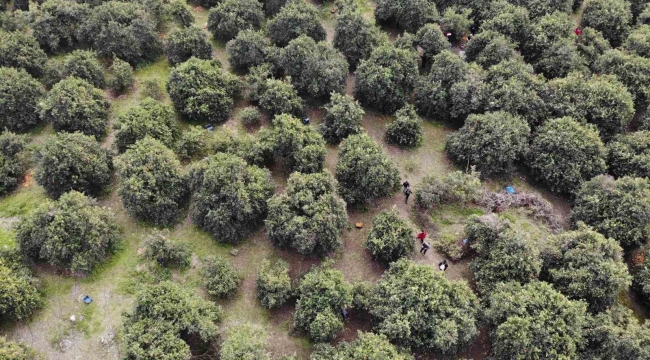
599, 100
390, 237
230, 17
247, 49
163, 316
273, 286
564, 153
294, 19
12, 161
55, 26
629, 155
322, 294
618, 209
364, 172
611, 17
366, 346
505, 253
454, 188
122, 29
410, 15
165, 251
342, 118
307, 216
20, 94
75, 105
73, 233
182, 44
245, 342
632, 70
73, 162
406, 130
354, 36
150, 118
534, 321
280, 97
584, 265
193, 143
493, 142
21, 293
16, 350
386, 79
416, 306
153, 187
220, 277
120, 76
21, 51
316, 69
229, 196
302, 146
202, 91
83, 64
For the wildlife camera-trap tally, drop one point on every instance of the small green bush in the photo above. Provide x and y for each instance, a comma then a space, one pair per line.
342, 118
120, 76
193, 143
16, 351
449, 246
220, 277
273, 284
390, 237
245, 342
167, 252
151, 88
12, 162
406, 130
250, 116
83, 64
456, 187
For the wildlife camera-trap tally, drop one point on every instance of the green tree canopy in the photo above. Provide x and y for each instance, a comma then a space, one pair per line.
12, 162
75, 105
153, 187
182, 44
629, 155
322, 294
364, 172
342, 118
122, 29
149, 118
220, 277
232, 16
20, 94
249, 48
534, 321
202, 91
611, 17
616, 334
354, 36
73, 161
591, 44
294, 19
308, 216
416, 306
366, 346
632, 70
454, 188
585, 265
21, 51
410, 15
55, 25
599, 100
273, 286
505, 253
489, 48
639, 41
280, 97
303, 147
83, 64
390, 237
21, 293
229, 196
618, 209
493, 142
406, 130
73, 233
10, 350
245, 342
316, 69
386, 80
564, 153
163, 316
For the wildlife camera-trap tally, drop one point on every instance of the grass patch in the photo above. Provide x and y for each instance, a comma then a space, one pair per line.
23, 201
7, 239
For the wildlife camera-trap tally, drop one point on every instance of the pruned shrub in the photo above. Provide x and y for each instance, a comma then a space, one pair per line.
74, 161
308, 217
390, 237
220, 277
73, 233
456, 187
20, 94
167, 252
273, 284
406, 130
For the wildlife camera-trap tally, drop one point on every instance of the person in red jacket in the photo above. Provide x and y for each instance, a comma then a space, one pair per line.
422, 235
